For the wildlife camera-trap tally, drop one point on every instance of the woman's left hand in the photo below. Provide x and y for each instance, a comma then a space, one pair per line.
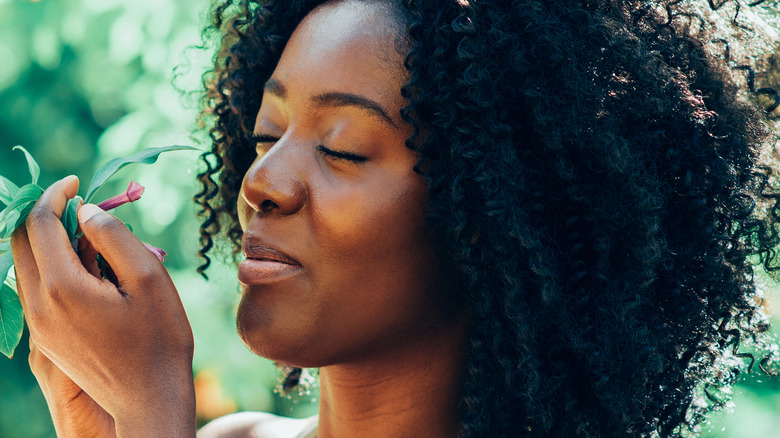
73, 412
128, 345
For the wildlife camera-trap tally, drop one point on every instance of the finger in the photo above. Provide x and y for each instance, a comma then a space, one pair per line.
48, 239
86, 252
34, 357
40, 365
27, 276
88, 256
37, 360
48, 375
132, 263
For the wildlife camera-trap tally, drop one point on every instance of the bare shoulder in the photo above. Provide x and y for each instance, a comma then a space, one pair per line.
257, 425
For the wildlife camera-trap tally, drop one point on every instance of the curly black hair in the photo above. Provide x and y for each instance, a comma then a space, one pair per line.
597, 176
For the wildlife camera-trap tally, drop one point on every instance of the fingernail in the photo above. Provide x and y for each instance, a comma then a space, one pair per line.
69, 178
86, 212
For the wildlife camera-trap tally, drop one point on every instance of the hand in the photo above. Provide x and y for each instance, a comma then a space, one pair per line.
75, 414
128, 346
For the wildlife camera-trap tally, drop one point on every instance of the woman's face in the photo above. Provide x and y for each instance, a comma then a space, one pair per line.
338, 266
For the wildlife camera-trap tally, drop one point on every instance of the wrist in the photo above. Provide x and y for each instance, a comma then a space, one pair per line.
169, 413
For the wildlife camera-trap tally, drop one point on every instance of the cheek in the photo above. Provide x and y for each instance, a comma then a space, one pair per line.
380, 223
375, 255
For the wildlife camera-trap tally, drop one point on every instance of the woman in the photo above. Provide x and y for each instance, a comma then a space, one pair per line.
483, 219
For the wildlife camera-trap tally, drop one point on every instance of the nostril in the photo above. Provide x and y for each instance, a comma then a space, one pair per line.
268, 205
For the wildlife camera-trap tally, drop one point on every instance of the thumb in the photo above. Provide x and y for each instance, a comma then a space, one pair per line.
129, 259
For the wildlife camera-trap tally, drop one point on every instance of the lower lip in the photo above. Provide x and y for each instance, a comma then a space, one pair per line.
251, 271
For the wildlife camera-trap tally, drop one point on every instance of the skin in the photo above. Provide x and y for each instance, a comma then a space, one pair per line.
365, 304
112, 360
356, 229
364, 299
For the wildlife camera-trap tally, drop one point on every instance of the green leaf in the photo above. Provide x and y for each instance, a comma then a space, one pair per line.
7, 190
6, 261
23, 213
35, 170
68, 219
5, 248
25, 194
23, 202
11, 320
12, 221
146, 156
8, 224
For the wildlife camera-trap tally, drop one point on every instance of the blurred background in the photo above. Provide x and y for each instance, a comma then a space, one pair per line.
84, 81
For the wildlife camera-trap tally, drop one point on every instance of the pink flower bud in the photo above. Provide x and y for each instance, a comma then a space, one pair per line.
133, 193
159, 253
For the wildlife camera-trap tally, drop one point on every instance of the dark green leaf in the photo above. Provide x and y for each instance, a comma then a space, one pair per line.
35, 170
7, 190
69, 220
11, 320
146, 156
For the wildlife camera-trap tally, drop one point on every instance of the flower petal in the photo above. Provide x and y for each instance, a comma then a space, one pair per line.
132, 194
134, 191
159, 253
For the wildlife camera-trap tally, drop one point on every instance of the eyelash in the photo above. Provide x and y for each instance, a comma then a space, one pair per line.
330, 153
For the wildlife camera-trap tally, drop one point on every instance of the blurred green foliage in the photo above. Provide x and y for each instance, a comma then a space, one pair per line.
84, 81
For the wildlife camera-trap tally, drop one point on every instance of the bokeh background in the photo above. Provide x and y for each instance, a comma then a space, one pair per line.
84, 81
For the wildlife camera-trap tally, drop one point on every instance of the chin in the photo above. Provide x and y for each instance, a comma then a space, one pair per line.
288, 346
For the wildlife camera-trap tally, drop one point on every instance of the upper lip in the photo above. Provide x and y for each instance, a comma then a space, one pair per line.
255, 249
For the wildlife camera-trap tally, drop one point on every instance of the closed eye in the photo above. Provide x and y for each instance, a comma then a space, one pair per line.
259, 139
340, 155
266, 141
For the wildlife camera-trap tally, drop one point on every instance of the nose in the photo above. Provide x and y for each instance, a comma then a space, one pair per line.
273, 184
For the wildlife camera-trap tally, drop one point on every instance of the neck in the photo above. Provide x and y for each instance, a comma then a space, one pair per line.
412, 390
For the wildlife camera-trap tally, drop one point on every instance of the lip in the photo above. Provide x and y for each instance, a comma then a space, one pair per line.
264, 263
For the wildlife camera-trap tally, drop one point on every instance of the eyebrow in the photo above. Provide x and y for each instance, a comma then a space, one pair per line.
335, 99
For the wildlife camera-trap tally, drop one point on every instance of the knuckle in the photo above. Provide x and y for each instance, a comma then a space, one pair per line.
146, 276
103, 221
55, 288
50, 287
48, 284
37, 217
39, 366
109, 230
34, 361
34, 358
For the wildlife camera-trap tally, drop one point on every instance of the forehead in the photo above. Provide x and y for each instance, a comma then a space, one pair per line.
345, 46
